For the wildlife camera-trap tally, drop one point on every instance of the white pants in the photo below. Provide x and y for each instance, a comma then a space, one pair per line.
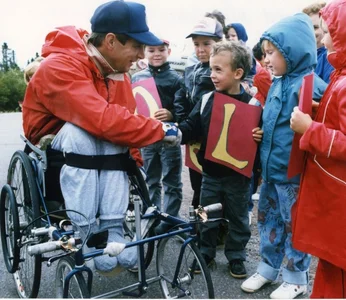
91, 192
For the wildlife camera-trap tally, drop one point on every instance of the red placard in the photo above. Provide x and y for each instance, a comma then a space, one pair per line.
147, 97
191, 158
230, 141
297, 156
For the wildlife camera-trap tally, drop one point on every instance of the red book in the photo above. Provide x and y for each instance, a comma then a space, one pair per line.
297, 156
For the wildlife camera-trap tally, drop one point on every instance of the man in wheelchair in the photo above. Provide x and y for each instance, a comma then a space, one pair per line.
81, 94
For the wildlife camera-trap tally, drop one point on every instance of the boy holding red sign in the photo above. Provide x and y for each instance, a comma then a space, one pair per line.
161, 161
290, 54
230, 62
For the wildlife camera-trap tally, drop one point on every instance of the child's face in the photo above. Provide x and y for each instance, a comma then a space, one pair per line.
203, 46
315, 19
327, 39
232, 35
157, 55
224, 78
273, 59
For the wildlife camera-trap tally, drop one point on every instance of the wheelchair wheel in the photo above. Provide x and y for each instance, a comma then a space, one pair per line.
10, 232
77, 287
21, 178
139, 190
189, 284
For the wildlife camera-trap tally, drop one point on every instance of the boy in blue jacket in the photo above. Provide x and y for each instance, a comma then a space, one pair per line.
290, 54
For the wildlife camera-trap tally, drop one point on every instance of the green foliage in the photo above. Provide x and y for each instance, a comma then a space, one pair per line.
12, 89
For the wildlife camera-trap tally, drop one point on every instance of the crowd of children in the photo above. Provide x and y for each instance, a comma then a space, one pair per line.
286, 52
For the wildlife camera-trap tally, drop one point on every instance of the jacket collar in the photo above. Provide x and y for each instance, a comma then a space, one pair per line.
160, 69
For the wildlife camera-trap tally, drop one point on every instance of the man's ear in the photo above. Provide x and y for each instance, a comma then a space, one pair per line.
169, 51
239, 73
110, 40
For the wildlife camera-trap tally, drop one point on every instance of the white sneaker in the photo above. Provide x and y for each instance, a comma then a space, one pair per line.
250, 217
254, 283
288, 291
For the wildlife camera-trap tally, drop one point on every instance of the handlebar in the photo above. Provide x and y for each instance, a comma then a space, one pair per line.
203, 211
43, 248
211, 208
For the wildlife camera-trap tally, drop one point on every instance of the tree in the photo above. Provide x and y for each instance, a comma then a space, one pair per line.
12, 85
12, 89
8, 58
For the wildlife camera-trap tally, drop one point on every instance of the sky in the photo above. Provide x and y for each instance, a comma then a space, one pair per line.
24, 24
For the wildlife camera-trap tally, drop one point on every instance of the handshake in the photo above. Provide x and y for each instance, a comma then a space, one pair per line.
172, 134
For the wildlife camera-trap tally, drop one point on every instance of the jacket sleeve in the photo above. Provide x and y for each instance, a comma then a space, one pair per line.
174, 89
68, 92
181, 103
191, 127
328, 142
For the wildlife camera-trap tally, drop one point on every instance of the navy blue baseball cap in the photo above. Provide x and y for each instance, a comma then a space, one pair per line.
123, 18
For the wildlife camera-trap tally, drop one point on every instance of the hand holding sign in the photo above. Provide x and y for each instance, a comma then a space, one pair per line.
297, 156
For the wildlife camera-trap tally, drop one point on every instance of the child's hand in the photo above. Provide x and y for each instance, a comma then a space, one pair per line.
300, 122
163, 115
315, 106
257, 134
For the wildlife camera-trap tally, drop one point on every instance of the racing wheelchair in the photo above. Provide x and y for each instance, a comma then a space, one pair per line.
35, 228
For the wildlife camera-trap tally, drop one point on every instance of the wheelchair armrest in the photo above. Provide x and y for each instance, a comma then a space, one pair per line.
38, 151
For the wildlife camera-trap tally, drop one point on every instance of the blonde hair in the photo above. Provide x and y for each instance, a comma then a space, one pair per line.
240, 56
314, 8
31, 68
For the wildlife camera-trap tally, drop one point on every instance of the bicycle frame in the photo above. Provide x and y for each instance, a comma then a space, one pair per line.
143, 282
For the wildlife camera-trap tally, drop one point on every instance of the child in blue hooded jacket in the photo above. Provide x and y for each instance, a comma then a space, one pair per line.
290, 50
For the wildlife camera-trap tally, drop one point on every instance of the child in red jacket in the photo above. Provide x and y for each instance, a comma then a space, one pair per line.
319, 226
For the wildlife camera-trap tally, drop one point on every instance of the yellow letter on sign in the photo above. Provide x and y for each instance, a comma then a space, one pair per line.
148, 98
220, 151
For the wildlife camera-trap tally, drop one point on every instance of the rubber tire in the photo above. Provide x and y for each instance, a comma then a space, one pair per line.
21, 178
10, 231
199, 285
69, 263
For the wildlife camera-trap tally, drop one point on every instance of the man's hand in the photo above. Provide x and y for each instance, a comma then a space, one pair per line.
163, 115
257, 134
299, 122
172, 134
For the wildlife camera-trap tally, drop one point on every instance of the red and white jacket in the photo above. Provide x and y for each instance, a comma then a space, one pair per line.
320, 212
69, 87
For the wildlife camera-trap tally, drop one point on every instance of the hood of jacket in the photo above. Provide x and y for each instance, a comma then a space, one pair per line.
334, 14
295, 39
67, 40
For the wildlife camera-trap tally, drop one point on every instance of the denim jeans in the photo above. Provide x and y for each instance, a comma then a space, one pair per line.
274, 226
164, 162
232, 192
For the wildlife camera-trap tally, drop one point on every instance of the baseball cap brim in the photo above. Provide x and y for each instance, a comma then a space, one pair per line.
146, 38
201, 33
